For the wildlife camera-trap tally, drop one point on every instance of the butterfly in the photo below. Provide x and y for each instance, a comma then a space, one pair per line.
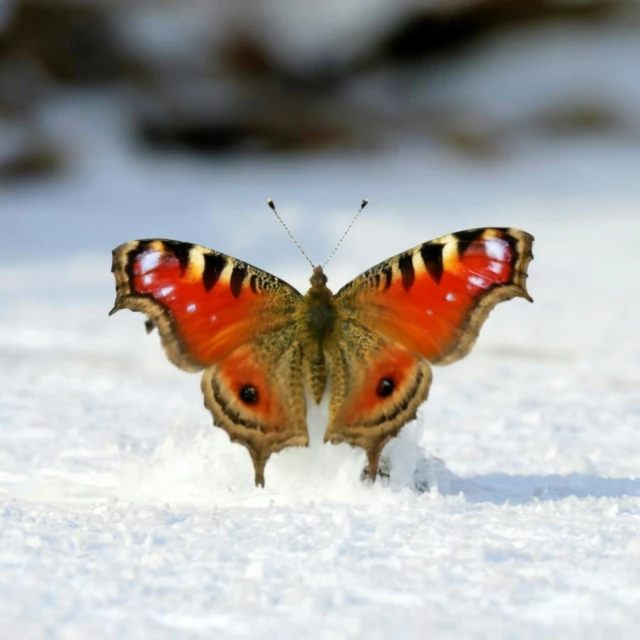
261, 343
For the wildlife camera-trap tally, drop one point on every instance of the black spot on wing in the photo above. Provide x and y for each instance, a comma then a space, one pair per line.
406, 269
253, 283
401, 406
385, 387
214, 264
432, 258
249, 394
466, 238
237, 278
388, 274
180, 250
233, 416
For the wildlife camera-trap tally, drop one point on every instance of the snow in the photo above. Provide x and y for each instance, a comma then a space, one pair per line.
124, 513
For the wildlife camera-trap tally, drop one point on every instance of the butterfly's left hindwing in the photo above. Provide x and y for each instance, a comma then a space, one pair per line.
377, 386
233, 320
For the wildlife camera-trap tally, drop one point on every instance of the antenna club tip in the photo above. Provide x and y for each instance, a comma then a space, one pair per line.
271, 203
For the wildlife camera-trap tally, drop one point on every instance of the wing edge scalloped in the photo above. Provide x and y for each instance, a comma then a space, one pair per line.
123, 257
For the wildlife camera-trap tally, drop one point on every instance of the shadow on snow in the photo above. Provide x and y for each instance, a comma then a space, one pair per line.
499, 488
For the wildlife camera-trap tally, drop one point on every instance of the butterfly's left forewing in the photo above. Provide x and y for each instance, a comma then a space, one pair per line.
217, 313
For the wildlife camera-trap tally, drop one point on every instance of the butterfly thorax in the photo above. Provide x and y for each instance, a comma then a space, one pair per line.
315, 327
320, 307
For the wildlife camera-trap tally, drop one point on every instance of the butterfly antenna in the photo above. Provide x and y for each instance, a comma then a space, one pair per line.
273, 207
365, 202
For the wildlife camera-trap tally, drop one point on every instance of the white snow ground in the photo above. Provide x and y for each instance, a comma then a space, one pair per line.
124, 513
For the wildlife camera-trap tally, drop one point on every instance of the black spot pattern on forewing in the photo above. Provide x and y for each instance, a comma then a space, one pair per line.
214, 264
388, 274
253, 283
431, 254
180, 250
237, 278
467, 238
405, 263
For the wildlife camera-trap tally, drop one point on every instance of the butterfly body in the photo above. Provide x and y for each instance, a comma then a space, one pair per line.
370, 346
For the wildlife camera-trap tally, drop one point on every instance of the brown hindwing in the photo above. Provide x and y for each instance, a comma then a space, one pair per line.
256, 395
376, 388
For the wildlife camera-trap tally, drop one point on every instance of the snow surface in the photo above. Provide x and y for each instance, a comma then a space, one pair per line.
124, 513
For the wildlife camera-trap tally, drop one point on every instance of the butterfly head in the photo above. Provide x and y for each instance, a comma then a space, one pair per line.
318, 280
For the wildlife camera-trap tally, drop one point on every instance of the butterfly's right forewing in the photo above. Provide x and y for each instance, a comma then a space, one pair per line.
204, 303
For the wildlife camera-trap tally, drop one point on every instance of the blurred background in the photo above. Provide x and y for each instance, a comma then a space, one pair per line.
122, 119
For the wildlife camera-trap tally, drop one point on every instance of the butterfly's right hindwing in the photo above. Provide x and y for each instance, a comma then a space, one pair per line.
256, 395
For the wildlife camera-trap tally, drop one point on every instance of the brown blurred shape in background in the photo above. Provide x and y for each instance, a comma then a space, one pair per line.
217, 77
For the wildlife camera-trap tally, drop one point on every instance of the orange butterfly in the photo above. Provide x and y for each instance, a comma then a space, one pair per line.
260, 342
